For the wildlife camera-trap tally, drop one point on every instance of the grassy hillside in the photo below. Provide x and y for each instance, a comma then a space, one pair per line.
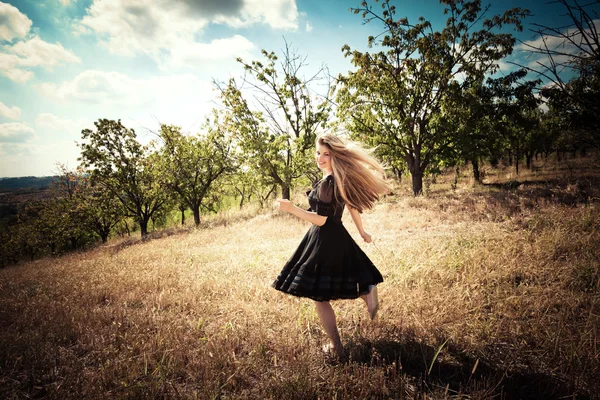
490, 292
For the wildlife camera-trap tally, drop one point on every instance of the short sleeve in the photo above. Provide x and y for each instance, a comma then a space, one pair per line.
325, 192
324, 204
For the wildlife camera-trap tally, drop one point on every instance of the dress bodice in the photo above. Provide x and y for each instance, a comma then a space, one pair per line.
323, 200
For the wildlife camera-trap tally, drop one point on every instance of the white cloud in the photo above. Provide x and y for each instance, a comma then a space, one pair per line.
67, 2
47, 123
14, 149
10, 113
309, 27
279, 14
193, 54
96, 87
180, 99
15, 132
118, 89
504, 66
556, 44
16, 60
26, 159
161, 29
37, 53
13, 23
26, 151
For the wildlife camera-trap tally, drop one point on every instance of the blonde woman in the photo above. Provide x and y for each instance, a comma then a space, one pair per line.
328, 264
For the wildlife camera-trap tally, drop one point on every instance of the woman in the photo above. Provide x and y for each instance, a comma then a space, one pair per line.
328, 264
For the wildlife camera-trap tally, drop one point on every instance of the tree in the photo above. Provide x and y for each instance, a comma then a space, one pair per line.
35, 231
401, 98
102, 209
66, 208
570, 64
120, 165
276, 139
84, 207
475, 136
517, 112
193, 165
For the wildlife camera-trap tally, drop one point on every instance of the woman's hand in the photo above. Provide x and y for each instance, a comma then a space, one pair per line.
285, 205
366, 237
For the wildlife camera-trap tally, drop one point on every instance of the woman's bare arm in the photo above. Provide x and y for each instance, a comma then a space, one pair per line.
312, 217
358, 222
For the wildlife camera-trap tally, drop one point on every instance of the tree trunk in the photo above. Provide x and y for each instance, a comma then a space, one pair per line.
414, 166
417, 183
397, 173
242, 195
476, 173
528, 159
104, 237
196, 211
285, 191
144, 226
182, 216
456, 176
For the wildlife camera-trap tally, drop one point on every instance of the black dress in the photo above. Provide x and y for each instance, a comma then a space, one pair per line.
328, 264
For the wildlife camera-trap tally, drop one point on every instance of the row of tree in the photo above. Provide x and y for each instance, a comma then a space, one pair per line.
425, 98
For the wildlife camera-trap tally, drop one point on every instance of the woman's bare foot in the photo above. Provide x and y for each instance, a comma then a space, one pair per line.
333, 351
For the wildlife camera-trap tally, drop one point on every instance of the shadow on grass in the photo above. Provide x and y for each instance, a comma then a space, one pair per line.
568, 192
454, 372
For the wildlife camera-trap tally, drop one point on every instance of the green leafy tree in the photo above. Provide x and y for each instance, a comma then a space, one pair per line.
517, 112
69, 207
550, 132
401, 98
102, 209
193, 165
84, 208
568, 58
475, 132
34, 232
249, 186
277, 138
120, 165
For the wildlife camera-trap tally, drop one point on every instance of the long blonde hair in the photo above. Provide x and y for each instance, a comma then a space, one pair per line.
360, 178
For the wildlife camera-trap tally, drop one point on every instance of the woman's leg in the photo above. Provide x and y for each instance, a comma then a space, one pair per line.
372, 301
327, 317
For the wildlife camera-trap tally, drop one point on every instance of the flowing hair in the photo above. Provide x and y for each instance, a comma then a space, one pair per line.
360, 177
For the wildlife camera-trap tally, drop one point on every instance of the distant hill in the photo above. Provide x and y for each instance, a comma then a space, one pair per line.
25, 182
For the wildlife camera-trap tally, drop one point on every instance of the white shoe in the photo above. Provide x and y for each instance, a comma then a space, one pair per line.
372, 301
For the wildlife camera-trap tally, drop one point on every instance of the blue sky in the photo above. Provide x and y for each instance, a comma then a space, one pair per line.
66, 63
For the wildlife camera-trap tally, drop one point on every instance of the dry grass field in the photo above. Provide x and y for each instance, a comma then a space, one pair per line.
490, 292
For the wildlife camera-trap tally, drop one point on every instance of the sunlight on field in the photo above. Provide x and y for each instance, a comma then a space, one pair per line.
506, 289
